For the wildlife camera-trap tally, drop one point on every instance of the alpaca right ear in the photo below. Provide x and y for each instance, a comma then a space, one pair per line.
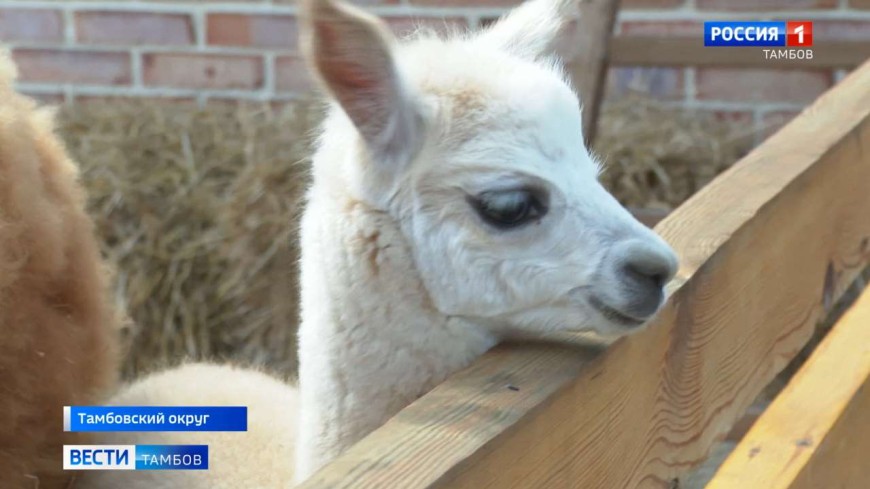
351, 52
531, 29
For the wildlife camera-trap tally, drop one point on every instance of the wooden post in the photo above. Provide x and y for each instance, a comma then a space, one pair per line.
588, 66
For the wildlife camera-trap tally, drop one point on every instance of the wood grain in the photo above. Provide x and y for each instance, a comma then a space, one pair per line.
766, 248
588, 67
816, 433
664, 51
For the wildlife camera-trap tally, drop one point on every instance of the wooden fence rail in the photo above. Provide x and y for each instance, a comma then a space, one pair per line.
816, 434
766, 249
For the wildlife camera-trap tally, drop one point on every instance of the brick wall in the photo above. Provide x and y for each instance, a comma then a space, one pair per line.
246, 49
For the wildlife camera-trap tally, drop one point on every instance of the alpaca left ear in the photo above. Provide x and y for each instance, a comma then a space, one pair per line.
352, 54
530, 31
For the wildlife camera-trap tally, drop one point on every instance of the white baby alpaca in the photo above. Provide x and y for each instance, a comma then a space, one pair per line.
453, 202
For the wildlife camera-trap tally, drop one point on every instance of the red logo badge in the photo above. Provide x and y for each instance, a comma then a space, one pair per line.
799, 34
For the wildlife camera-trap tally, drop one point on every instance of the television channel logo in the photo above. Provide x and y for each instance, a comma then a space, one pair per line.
799, 34
135, 457
758, 34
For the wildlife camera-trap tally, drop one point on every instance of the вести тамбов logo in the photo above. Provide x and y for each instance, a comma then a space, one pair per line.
778, 39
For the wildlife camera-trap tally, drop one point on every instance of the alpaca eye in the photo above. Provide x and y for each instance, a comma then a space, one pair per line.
509, 208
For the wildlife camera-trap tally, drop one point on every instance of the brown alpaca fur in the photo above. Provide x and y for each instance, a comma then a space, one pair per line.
57, 326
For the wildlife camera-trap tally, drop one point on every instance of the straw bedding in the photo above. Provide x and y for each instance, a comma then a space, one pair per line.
657, 157
198, 210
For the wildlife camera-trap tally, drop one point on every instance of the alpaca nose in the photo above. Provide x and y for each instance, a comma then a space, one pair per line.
650, 271
646, 268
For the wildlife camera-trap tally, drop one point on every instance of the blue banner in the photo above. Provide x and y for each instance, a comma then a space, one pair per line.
155, 418
171, 457
135, 457
744, 33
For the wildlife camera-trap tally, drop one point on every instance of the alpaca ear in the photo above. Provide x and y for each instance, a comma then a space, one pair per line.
351, 52
530, 31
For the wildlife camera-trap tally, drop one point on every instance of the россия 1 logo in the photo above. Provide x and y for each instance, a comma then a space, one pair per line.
767, 34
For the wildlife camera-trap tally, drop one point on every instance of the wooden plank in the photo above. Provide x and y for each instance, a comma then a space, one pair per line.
816, 433
765, 249
588, 68
664, 51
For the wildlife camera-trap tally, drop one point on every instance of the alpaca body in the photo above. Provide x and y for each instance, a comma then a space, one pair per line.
57, 327
254, 459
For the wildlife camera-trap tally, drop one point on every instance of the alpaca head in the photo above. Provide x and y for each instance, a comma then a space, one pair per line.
473, 144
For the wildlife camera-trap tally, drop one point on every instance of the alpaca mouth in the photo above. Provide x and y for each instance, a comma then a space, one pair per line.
612, 314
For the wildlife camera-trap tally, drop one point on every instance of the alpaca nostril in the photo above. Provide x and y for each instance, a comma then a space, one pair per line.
643, 288
654, 272
642, 268
644, 276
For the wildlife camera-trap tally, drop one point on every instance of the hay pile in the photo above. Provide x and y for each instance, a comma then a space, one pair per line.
657, 157
198, 210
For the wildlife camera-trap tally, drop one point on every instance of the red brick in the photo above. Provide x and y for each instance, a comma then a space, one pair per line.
404, 26
670, 28
88, 67
761, 85
651, 4
859, 4
841, 30
758, 5
773, 121
466, 3
357, 2
661, 83
35, 25
202, 71
262, 31
133, 28
291, 75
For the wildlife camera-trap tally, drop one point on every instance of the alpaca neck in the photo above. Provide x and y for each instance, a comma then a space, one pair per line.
370, 340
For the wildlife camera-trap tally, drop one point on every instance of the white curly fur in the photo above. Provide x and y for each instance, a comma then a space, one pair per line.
235, 458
